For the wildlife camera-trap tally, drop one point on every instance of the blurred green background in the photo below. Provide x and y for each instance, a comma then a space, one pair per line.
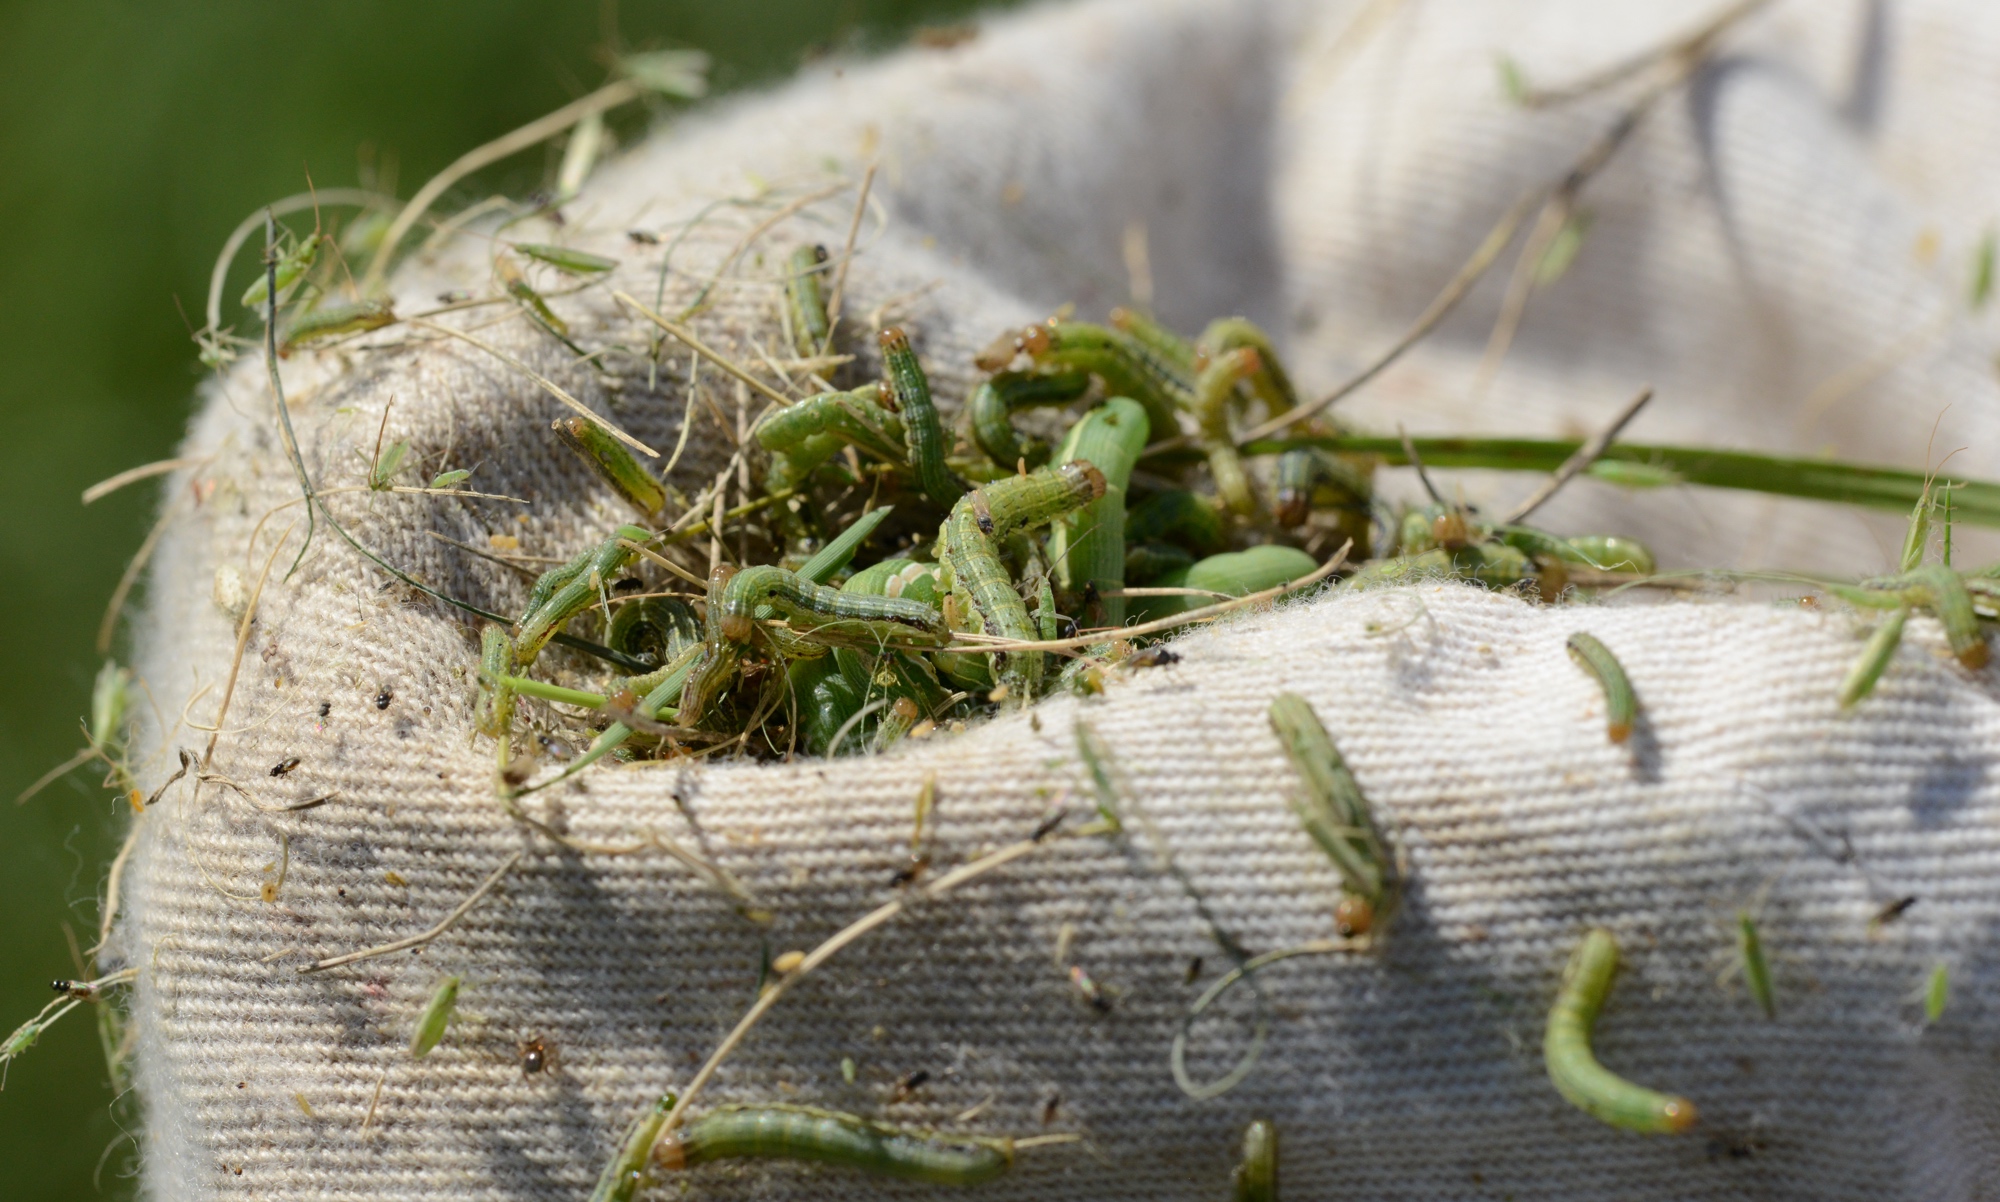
133, 137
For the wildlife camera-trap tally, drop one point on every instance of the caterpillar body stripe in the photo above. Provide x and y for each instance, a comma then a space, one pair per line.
808, 606
803, 1133
923, 433
1127, 365
1573, 1067
1155, 337
807, 434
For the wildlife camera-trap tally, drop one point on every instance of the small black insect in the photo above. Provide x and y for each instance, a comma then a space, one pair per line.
1050, 1108
1894, 910
643, 237
535, 1056
909, 872
631, 584
325, 708
1152, 657
1048, 825
1193, 970
285, 765
383, 698
909, 1083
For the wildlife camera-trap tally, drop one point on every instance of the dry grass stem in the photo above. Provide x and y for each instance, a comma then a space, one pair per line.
457, 913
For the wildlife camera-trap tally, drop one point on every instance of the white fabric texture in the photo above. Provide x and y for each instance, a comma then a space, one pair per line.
1764, 232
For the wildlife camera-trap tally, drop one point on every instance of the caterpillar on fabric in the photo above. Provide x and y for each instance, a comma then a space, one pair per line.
808, 606
978, 584
993, 403
493, 709
1621, 705
923, 434
1257, 1168
1336, 815
803, 436
1573, 1068
334, 320
803, 1133
622, 1177
562, 593
805, 299
612, 463
1128, 366
1214, 388
1874, 659
1756, 970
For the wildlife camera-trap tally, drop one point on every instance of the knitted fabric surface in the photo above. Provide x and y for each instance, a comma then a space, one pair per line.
1796, 216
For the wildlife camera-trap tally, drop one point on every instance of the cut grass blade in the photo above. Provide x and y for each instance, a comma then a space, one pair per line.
1869, 486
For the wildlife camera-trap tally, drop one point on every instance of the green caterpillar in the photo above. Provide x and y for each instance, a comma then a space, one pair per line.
1213, 391
335, 320
803, 436
1304, 473
1128, 366
803, 1133
1268, 382
1574, 1069
1163, 342
612, 463
805, 300
1257, 1170
622, 1178
1336, 815
1232, 573
564, 592
1088, 546
655, 628
808, 606
493, 711
923, 434
993, 404
979, 587
1621, 705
